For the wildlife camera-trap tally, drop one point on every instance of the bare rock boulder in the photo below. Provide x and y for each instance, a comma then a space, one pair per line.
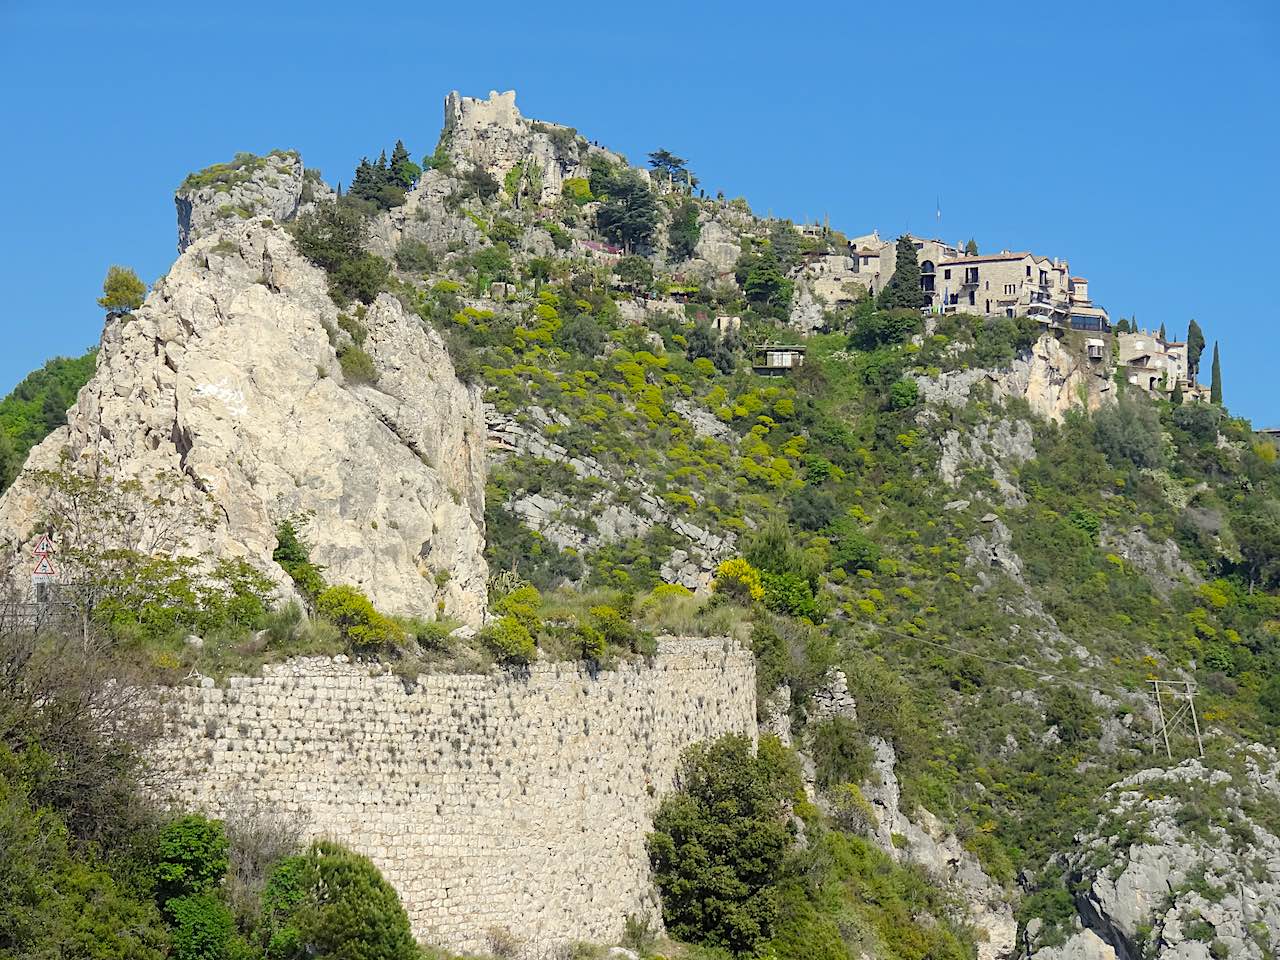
227, 381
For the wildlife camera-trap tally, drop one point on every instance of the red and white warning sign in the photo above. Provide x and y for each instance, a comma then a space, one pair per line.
44, 561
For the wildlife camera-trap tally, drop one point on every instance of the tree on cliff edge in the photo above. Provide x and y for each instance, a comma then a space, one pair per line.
122, 291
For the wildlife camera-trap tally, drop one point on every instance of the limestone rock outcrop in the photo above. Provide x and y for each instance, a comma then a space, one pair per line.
227, 382
270, 186
1051, 377
921, 839
493, 135
1187, 887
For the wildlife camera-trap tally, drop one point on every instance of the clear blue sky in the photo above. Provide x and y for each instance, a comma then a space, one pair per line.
1141, 140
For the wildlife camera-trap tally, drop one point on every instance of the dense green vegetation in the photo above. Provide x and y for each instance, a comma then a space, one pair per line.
1010, 694
37, 406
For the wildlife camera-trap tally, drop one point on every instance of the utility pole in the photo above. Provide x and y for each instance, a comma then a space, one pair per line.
1182, 693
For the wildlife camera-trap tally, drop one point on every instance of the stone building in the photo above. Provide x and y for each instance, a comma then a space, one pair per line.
1157, 365
1009, 284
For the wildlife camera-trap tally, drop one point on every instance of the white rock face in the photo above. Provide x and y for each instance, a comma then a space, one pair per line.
928, 844
227, 381
1159, 882
269, 187
492, 134
1051, 378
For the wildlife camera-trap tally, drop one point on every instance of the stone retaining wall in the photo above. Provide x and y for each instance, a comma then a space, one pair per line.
495, 801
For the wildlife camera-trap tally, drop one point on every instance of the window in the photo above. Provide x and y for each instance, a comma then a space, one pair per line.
946, 274
970, 274
1028, 270
1044, 279
1010, 289
988, 309
988, 286
1008, 312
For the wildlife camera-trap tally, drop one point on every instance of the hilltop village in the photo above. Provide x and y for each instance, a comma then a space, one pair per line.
512, 551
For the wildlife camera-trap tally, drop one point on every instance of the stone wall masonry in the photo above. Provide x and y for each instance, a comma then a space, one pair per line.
515, 801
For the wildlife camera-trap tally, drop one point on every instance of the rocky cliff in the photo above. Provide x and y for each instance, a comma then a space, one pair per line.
1172, 874
227, 382
1052, 377
273, 186
492, 134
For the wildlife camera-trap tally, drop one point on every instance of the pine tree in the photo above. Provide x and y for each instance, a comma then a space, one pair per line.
1215, 385
1195, 347
122, 291
903, 288
398, 154
1122, 325
971, 248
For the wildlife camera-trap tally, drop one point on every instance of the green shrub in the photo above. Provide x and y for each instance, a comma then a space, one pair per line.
684, 231
293, 555
357, 366
717, 847
334, 903
576, 190
414, 256
505, 231
361, 278
522, 604
191, 858
201, 928
509, 640
122, 291
363, 628
841, 752
330, 235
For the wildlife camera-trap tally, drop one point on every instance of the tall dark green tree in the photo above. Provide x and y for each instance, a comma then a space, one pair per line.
403, 170
1195, 347
667, 162
971, 248
630, 213
1215, 385
903, 288
1164, 337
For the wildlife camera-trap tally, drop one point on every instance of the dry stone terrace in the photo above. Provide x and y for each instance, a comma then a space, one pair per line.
516, 801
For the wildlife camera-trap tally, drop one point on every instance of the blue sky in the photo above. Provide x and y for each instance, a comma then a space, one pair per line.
1141, 140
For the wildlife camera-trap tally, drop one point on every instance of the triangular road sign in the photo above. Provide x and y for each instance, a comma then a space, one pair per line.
43, 547
44, 568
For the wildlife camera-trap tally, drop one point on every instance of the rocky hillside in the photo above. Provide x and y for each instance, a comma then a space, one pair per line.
230, 385
959, 546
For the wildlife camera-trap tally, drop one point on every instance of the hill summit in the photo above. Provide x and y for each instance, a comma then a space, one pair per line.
513, 409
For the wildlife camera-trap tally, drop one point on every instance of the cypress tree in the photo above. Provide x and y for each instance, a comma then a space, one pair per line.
1215, 385
1195, 347
1177, 393
903, 288
971, 248
1164, 337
